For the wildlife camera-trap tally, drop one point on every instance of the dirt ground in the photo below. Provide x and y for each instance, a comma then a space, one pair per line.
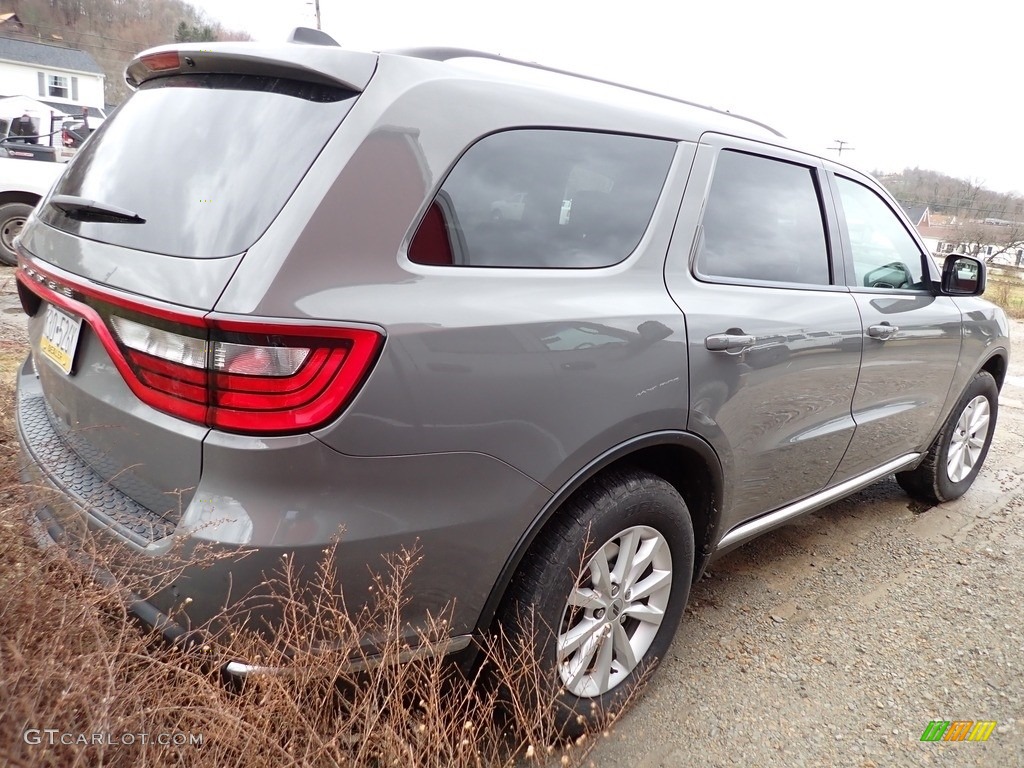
837, 639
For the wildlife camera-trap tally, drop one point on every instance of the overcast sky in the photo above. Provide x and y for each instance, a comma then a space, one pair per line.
938, 85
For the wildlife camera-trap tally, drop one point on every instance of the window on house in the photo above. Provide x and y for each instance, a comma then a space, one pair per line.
58, 87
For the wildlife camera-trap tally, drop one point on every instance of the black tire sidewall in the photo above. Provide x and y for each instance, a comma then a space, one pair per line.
983, 384
10, 211
656, 505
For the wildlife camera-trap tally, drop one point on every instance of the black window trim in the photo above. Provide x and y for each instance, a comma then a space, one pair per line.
829, 222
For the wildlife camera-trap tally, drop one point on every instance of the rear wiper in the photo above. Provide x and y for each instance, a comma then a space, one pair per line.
89, 210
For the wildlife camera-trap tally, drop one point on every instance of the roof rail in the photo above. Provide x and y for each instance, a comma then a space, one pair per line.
448, 54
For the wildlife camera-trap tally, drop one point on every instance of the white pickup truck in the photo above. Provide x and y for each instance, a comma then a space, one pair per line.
22, 185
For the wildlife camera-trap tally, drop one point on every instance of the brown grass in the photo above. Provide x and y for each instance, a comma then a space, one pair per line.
1008, 293
72, 665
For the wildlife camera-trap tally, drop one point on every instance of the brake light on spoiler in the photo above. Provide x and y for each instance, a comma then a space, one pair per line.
237, 375
162, 61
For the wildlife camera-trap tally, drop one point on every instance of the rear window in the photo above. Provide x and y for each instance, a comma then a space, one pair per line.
545, 198
207, 160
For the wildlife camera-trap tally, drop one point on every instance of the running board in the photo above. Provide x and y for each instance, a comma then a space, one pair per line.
747, 531
240, 669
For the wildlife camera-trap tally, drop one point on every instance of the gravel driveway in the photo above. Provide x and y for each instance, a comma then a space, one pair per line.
835, 640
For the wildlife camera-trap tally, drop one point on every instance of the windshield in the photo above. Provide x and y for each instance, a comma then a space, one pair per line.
207, 161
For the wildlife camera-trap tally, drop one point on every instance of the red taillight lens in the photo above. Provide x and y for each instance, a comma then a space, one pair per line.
235, 375
264, 380
295, 384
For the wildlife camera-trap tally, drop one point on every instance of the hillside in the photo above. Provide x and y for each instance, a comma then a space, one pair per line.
963, 198
113, 31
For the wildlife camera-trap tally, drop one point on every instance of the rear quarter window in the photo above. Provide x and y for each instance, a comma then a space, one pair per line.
544, 199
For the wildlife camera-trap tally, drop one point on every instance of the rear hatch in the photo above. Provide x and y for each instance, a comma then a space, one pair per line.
130, 251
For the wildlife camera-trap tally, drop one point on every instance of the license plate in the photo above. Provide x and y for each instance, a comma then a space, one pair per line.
60, 337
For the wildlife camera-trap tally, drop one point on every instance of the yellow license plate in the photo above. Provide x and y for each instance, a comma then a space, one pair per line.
60, 337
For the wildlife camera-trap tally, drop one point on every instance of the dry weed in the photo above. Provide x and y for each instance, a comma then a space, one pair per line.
82, 685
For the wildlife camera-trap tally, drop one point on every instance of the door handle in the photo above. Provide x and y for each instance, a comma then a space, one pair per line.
883, 332
728, 342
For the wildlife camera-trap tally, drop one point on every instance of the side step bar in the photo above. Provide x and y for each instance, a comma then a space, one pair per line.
746, 531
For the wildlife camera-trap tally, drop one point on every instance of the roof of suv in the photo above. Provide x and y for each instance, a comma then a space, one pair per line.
451, 54
319, 59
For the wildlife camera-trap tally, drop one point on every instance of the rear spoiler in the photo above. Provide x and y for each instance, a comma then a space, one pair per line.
305, 58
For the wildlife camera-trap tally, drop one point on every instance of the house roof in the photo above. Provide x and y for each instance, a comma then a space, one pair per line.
64, 107
940, 232
918, 214
27, 103
50, 56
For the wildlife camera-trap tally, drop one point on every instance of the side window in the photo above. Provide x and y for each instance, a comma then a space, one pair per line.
545, 198
763, 221
884, 254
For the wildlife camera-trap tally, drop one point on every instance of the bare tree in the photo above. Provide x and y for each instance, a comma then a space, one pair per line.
987, 241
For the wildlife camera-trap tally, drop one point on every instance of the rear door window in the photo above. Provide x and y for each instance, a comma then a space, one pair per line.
545, 198
207, 160
763, 222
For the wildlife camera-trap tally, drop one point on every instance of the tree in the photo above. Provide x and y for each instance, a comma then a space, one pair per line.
987, 241
194, 33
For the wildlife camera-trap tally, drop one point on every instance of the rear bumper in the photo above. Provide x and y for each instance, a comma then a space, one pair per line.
49, 533
264, 502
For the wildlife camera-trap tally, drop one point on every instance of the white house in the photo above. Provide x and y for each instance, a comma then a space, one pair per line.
995, 243
67, 79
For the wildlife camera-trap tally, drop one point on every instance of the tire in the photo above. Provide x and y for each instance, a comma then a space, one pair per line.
12, 219
596, 645
959, 450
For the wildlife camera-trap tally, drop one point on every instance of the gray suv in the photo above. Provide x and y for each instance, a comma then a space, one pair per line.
684, 333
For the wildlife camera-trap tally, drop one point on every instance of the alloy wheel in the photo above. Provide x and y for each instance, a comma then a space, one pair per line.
968, 439
614, 611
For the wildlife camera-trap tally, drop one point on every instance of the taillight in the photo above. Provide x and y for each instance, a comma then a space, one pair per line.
285, 378
244, 377
247, 376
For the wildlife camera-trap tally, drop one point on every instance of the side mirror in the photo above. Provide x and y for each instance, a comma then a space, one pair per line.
963, 276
